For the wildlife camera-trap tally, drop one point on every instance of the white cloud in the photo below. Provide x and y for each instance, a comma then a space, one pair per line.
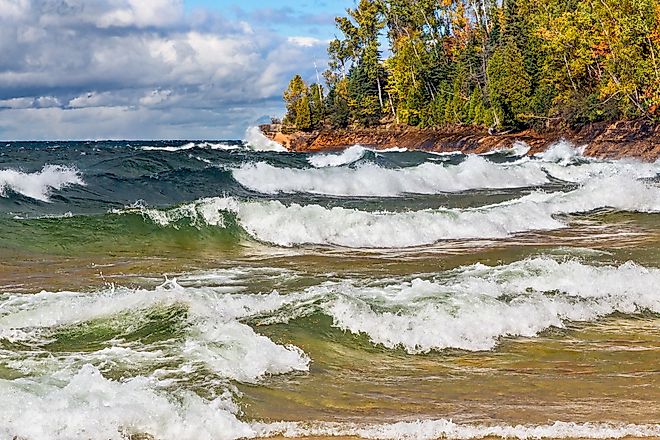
16, 103
155, 97
306, 41
130, 58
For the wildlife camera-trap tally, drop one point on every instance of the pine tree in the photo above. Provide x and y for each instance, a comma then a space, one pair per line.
292, 97
303, 114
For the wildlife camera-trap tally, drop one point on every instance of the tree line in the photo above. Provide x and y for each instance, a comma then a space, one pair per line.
501, 64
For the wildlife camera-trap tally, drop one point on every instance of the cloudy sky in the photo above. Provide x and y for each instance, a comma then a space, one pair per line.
153, 69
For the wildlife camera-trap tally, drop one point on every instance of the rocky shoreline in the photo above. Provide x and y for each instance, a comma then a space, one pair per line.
634, 139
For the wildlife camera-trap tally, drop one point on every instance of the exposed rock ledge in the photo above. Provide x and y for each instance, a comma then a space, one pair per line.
637, 139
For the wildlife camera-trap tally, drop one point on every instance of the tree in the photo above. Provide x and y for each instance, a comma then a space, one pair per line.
509, 85
304, 114
292, 97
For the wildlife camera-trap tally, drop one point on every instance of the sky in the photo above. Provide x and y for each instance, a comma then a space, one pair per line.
154, 69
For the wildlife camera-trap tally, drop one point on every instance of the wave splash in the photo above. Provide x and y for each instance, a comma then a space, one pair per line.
291, 225
40, 184
255, 140
372, 180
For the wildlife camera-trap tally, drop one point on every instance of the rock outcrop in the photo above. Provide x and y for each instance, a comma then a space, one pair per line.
637, 139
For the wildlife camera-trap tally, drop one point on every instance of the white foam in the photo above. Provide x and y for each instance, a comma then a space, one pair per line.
39, 185
91, 406
256, 141
372, 180
191, 145
473, 307
349, 155
214, 337
294, 224
436, 429
562, 152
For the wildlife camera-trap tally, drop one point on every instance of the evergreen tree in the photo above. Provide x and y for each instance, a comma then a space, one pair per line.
509, 85
292, 97
303, 114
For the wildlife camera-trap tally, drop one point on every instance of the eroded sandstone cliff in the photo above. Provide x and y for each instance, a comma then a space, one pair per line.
637, 139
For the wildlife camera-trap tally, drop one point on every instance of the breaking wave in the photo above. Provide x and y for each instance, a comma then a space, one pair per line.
471, 308
349, 155
372, 180
294, 224
39, 185
331, 176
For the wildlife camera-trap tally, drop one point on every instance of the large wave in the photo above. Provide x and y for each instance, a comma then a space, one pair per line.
332, 177
40, 184
294, 224
372, 180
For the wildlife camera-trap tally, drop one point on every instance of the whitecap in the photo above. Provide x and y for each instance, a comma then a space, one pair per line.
349, 155
39, 185
372, 180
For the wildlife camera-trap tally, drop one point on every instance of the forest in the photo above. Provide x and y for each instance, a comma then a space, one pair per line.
496, 64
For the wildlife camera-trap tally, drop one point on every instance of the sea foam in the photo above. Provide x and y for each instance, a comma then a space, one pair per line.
372, 180
293, 224
40, 184
437, 429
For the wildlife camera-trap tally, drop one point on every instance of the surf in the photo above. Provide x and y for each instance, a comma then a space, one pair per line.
41, 184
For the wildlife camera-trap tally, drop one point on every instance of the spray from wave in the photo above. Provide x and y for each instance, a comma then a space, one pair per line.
39, 185
255, 140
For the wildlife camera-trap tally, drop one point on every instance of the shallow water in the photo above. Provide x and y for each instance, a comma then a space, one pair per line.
209, 291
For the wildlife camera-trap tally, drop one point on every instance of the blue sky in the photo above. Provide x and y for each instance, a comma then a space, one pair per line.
153, 69
313, 18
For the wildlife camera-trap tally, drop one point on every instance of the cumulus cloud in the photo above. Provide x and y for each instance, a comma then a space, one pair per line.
139, 68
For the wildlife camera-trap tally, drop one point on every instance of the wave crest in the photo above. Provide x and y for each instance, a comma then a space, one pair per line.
39, 185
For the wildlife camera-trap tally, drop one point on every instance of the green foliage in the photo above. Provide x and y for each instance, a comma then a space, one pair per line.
304, 114
293, 95
509, 63
509, 85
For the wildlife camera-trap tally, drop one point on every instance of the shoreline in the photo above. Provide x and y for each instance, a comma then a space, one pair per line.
623, 139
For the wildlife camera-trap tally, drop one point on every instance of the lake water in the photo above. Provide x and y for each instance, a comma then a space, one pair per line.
205, 290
